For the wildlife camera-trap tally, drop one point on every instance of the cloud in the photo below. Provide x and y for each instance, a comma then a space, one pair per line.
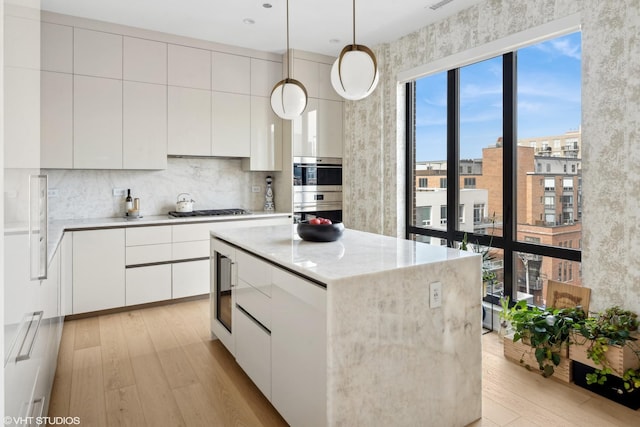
564, 46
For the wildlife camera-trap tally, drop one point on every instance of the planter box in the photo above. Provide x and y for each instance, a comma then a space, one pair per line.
612, 389
525, 355
620, 358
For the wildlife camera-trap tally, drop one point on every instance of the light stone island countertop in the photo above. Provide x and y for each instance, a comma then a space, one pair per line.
355, 253
391, 359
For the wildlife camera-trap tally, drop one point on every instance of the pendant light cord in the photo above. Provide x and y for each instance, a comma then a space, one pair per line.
354, 22
288, 52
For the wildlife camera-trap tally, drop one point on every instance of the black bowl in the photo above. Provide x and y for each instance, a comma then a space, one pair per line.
320, 232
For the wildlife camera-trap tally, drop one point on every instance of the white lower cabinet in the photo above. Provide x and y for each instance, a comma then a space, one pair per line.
148, 284
98, 270
190, 278
253, 350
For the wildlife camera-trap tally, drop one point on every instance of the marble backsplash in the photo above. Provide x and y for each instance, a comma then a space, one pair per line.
213, 183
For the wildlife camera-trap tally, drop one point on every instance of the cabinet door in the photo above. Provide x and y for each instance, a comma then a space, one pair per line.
298, 349
66, 274
326, 90
305, 131
56, 45
144, 61
266, 137
230, 73
231, 118
264, 76
144, 126
148, 284
190, 278
21, 118
97, 123
97, 54
98, 270
330, 128
56, 145
253, 350
307, 73
189, 67
189, 121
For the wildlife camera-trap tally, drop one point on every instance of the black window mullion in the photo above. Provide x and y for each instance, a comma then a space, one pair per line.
410, 157
453, 148
509, 171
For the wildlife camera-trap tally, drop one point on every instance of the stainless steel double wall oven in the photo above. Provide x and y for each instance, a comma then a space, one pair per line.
317, 188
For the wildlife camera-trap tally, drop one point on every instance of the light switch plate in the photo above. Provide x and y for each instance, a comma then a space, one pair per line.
435, 295
256, 189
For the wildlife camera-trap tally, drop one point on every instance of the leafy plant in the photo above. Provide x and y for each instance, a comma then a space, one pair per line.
545, 330
614, 326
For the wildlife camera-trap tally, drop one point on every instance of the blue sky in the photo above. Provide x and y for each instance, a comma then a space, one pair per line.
548, 99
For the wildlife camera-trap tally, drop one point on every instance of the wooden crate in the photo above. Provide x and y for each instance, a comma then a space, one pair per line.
620, 358
519, 351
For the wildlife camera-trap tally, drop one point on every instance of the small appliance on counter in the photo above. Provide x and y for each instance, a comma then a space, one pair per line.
184, 203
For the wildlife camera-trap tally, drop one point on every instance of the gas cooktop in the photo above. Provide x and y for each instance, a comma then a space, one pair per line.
209, 212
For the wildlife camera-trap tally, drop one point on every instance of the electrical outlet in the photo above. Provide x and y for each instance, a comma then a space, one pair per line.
256, 189
52, 192
435, 295
119, 192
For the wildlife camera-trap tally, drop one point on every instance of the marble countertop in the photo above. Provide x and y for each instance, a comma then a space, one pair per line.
355, 253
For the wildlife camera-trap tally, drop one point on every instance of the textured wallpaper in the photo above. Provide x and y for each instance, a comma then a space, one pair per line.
374, 129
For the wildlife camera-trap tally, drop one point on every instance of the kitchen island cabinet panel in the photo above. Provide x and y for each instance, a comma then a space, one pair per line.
98, 270
253, 350
144, 61
189, 121
56, 97
97, 123
144, 126
230, 129
148, 284
96, 53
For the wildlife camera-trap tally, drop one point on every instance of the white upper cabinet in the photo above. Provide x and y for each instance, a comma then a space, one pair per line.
231, 73
56, 120
21, 118
97, 123
264, 76
230, 121
330, 128
325, 88
306, 72
97, 54
189, 67
266, 137
305, 131
189, 121
22, 42
144, 126
144, 61
57, 47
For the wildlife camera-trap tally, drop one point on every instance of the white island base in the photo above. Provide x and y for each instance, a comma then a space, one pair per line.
390, 359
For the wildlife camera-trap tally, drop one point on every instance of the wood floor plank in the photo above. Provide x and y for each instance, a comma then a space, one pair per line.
61, 393
497, 413
196, 408
160, 331
116, 364
185, 330
178, 373
135, 333
87, 399
158, 403
124, 407
87, 333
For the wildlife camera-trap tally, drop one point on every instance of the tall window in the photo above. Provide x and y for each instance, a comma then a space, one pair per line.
490, 114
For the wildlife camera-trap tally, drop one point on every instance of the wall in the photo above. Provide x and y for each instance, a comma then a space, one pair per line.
374, 129
213, 183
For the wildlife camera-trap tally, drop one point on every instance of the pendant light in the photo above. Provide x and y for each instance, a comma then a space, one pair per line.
289, 96
354, 74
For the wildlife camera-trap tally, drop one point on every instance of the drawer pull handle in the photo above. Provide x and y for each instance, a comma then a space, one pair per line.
39, 402
32, 332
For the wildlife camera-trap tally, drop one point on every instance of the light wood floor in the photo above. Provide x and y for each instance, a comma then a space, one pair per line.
158, 367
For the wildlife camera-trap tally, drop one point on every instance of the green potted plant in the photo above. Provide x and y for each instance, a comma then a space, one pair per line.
608, 342
545, 331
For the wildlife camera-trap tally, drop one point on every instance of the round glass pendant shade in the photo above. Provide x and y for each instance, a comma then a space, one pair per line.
289, 99
354, 75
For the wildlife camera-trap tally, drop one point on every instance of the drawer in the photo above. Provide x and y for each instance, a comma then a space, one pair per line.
190, 278
148, 284
189, 250
136, 236
253, 351
254, 271
191, 232
148, 254
254, 302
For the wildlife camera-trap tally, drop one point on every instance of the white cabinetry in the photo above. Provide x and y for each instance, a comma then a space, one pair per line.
231, 73
144, 61
148, 284
298, 349
97, 54
56, 146
144, 126
98, 269
264, 76
231, 133
57, 48
253, 350
330, 128
266, 137
189, 121
189, 67
189, 278
97, 123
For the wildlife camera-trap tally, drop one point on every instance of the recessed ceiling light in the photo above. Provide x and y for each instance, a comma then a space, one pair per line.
267, 5
248, 21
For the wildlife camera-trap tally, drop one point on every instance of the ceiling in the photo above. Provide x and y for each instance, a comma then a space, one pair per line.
321, 26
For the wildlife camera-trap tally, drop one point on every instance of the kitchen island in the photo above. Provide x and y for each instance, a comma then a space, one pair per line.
385, 349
